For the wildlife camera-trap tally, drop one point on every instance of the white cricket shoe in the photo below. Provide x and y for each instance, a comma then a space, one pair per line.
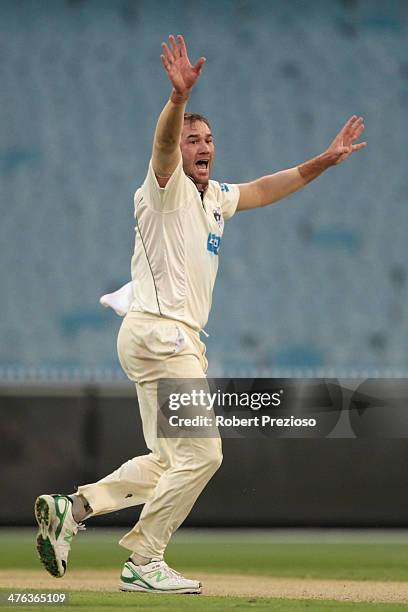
155, 577
57, 527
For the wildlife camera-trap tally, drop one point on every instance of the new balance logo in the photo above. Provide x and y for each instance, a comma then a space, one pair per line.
68, 536
158, 575
213, 243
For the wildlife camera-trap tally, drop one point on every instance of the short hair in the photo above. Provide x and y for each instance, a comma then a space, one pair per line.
193, 117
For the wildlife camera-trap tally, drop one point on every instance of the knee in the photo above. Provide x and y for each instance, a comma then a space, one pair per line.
218, 460
213, 461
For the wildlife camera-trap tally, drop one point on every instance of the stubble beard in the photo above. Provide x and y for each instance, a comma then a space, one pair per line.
199, 183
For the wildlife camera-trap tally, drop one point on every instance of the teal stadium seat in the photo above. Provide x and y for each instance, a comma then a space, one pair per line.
309, 283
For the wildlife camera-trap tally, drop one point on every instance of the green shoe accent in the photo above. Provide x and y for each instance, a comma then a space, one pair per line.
60, 515
135, 576
68, 536
158, 575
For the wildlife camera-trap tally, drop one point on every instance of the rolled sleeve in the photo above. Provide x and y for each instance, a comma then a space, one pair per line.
168, 198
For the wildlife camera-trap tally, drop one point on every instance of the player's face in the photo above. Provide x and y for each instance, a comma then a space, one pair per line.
198, 151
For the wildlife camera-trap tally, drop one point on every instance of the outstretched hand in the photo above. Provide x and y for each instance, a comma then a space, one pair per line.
342, 146
182, 74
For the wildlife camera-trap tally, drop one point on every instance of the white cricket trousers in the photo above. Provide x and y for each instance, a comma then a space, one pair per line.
170, 478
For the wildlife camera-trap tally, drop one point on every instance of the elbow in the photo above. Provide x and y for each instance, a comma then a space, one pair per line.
266, 198
266, 193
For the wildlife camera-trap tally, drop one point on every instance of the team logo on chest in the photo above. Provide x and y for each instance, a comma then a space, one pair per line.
218, 217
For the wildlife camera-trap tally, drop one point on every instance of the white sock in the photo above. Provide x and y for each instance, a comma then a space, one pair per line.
139, 559
80, 507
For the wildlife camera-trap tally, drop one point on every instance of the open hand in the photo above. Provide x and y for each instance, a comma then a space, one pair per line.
342, 146
182, 74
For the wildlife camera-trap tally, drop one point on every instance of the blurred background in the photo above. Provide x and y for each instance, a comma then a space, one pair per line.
313, 286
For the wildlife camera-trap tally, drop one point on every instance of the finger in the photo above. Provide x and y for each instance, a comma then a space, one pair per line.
167, 53
344, 136
358, 131
349, 126
357, 123
349, 123
165, 62
198, 66
174, 46
355, 131
182, 45
358, 126
359, 146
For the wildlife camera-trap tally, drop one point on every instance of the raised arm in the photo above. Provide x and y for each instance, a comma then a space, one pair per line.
183, 76
272, 188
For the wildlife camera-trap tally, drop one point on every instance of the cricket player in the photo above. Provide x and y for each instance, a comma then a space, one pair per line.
180, 214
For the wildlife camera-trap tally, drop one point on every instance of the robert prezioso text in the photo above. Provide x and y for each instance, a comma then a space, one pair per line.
236, 421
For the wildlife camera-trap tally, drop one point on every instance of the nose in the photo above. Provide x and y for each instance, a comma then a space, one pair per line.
205, 147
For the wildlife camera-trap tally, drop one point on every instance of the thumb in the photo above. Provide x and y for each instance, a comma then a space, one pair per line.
198, 66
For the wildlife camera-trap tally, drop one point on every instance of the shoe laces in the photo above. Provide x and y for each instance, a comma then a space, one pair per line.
78, 527
161, 564
170, 571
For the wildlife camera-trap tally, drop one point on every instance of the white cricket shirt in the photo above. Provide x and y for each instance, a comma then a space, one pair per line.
178, 238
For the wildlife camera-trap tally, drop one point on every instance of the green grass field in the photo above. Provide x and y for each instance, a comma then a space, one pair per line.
110, 602
337, 555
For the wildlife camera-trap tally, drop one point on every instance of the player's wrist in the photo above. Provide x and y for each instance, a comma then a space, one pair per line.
328, 158
178, 97
312, 168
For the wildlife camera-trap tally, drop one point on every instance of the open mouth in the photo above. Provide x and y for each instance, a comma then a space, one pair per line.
202, 164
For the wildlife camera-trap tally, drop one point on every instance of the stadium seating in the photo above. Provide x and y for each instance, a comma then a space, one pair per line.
313, 285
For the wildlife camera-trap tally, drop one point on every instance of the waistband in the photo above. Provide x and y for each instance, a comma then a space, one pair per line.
148, 316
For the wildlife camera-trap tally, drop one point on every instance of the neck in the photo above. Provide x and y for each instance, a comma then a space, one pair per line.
200, 186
